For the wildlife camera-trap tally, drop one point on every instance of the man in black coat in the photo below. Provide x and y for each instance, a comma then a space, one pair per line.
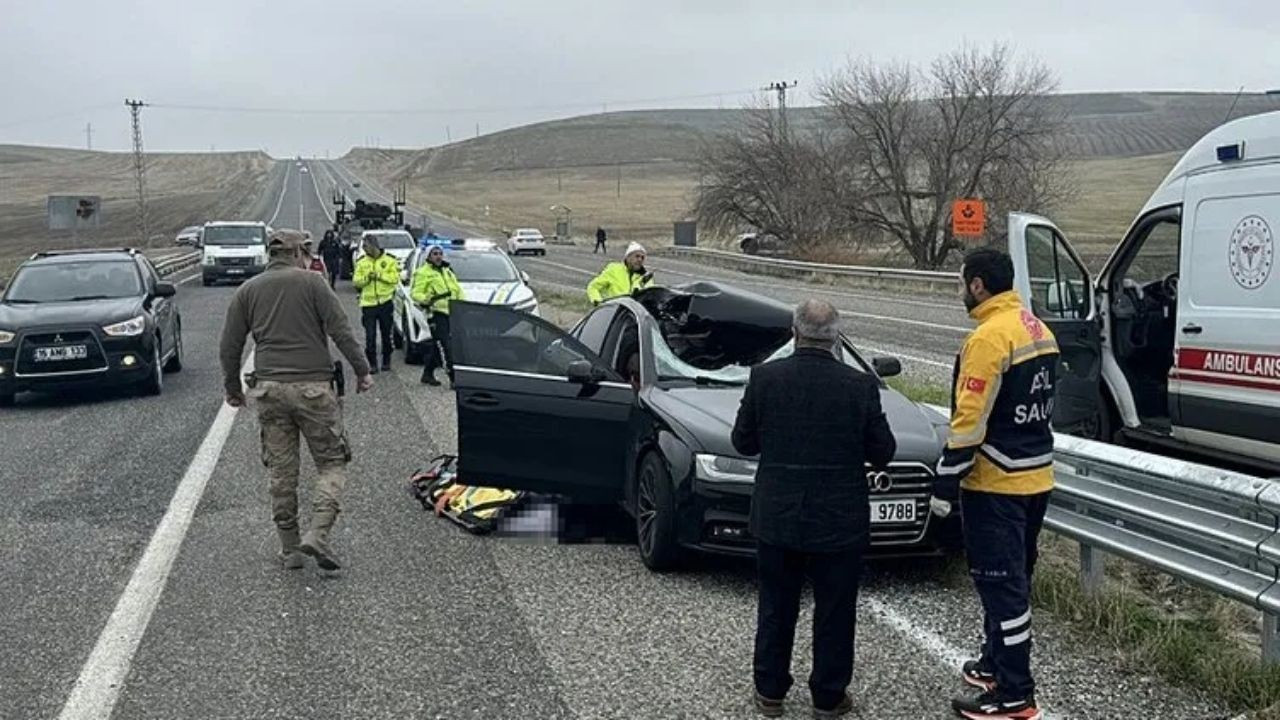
816, 423
331, 252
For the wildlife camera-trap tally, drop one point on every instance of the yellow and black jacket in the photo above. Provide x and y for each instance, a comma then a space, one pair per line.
1002, 402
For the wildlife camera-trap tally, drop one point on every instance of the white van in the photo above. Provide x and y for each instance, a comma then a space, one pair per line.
1178, 340
233, 250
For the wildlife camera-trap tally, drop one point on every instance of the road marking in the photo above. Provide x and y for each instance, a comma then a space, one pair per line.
316, 187
102, 678
284, 188
932, 643
903, 356
188, 278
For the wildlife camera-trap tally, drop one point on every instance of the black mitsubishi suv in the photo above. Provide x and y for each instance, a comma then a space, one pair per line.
87, 319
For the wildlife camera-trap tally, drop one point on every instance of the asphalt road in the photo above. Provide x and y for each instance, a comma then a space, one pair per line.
424, 620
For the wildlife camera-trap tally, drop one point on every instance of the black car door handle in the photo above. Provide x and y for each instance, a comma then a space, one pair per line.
1191, 329
481, 401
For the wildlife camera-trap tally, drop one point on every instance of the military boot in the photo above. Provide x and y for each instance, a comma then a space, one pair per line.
290, 557
316, 540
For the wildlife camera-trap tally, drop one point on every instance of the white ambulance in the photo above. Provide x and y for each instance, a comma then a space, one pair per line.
1177, 342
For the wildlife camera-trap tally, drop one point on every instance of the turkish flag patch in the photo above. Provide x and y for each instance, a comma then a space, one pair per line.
974, 384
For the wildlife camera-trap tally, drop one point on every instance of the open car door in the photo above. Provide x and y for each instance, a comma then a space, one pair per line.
537, 410
1052, 280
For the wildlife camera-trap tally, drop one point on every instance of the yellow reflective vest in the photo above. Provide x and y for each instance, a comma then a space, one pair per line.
1002, 400
376, 279
616, 280
435, 286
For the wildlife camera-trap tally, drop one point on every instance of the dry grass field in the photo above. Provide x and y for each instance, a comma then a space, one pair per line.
1122, 144
182, 189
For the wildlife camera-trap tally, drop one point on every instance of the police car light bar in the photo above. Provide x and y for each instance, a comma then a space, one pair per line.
1227, 153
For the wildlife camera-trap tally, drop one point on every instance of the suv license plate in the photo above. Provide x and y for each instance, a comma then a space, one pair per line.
893, 511
66, 352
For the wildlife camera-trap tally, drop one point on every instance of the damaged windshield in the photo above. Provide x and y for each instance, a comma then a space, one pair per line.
671, 368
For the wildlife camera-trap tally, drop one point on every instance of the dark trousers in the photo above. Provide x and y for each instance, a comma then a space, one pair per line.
600, 247
1000, 536
835, 577
333, 268
439, 323
377, 321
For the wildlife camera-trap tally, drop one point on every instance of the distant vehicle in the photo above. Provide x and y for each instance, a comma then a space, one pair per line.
189, 236
486, 275
527, 240
1176, 342
350, 221
636, 404
233, 250
399, 244
757, 244
303, 169
87, 318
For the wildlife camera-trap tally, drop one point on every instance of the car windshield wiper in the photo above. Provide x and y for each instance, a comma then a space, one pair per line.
702, 380
20, 301
78, 298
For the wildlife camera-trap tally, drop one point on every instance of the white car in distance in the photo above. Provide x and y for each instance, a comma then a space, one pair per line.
399, 244
527, 240
486, 275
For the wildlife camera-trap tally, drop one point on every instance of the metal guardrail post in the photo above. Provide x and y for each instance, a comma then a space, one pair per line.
1270, 639
1092, 569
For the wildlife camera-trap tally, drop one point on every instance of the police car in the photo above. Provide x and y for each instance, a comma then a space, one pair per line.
486, 275
399, 244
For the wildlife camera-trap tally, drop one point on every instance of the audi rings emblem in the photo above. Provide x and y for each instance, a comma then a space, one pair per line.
879, 481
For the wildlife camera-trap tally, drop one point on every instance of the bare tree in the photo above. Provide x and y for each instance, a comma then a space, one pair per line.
771, 178
911, 141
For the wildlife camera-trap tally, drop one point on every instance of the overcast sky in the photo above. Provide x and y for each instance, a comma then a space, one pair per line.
499, 64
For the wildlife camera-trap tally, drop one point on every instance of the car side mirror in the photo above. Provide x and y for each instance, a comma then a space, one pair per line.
524, 276
584, 373
887, 366
164, 290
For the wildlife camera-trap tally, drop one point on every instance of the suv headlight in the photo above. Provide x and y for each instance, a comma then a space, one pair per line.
128, 328
527, 305
6, 337
719, 468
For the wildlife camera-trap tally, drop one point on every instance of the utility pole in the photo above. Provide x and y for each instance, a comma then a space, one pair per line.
139, 166
781, 88
447, 134
477, 129
88, 135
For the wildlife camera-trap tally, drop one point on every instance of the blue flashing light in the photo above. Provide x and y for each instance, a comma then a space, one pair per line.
1227, 153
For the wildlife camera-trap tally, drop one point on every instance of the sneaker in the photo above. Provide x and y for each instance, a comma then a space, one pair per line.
987, 705
768, 707
430, 379
979, 674
844, 708
292, 560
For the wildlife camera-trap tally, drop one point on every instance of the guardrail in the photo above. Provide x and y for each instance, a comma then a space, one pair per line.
1214, 528
175, 263
925, 280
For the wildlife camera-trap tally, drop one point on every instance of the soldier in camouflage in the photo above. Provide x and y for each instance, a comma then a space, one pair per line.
292, 314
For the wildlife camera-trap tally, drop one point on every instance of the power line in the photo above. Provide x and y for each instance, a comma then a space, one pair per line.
435, 111
56, 116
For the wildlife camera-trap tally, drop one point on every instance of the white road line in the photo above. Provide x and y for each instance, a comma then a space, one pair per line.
188, 278
902, 356
102, 678
284, 189
324, 207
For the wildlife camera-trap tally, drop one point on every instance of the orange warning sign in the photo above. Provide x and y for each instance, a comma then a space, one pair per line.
968, 218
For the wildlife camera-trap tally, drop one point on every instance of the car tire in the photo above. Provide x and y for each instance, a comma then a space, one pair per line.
656, 515
206, 282
154, 385
175, 363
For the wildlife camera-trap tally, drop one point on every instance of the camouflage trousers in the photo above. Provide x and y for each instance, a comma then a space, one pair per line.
287, 411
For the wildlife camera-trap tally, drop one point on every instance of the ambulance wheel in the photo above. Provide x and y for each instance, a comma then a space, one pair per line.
656, 515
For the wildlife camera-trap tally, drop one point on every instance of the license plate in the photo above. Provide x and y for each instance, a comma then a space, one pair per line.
66, 352
893, 511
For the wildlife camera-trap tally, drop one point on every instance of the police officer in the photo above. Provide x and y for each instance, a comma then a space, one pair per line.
376, 276
619, 279
998, 464
292, 314
434, 285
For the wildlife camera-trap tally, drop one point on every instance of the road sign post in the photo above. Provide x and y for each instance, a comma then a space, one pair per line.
968, 218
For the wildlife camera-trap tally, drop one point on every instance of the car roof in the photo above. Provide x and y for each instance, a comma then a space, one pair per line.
56, 257
235, 223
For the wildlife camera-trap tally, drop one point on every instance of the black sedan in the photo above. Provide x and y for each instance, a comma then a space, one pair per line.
636, 404
87, 319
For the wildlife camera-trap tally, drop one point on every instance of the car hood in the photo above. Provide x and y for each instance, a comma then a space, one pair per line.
235, 250
87, 312
503, 293
708, 414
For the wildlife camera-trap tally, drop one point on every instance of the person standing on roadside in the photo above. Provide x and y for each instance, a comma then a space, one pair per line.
816, 423
376, 276
292, 315
434, 286
331, 252
600, 238
619, 279
998, 465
